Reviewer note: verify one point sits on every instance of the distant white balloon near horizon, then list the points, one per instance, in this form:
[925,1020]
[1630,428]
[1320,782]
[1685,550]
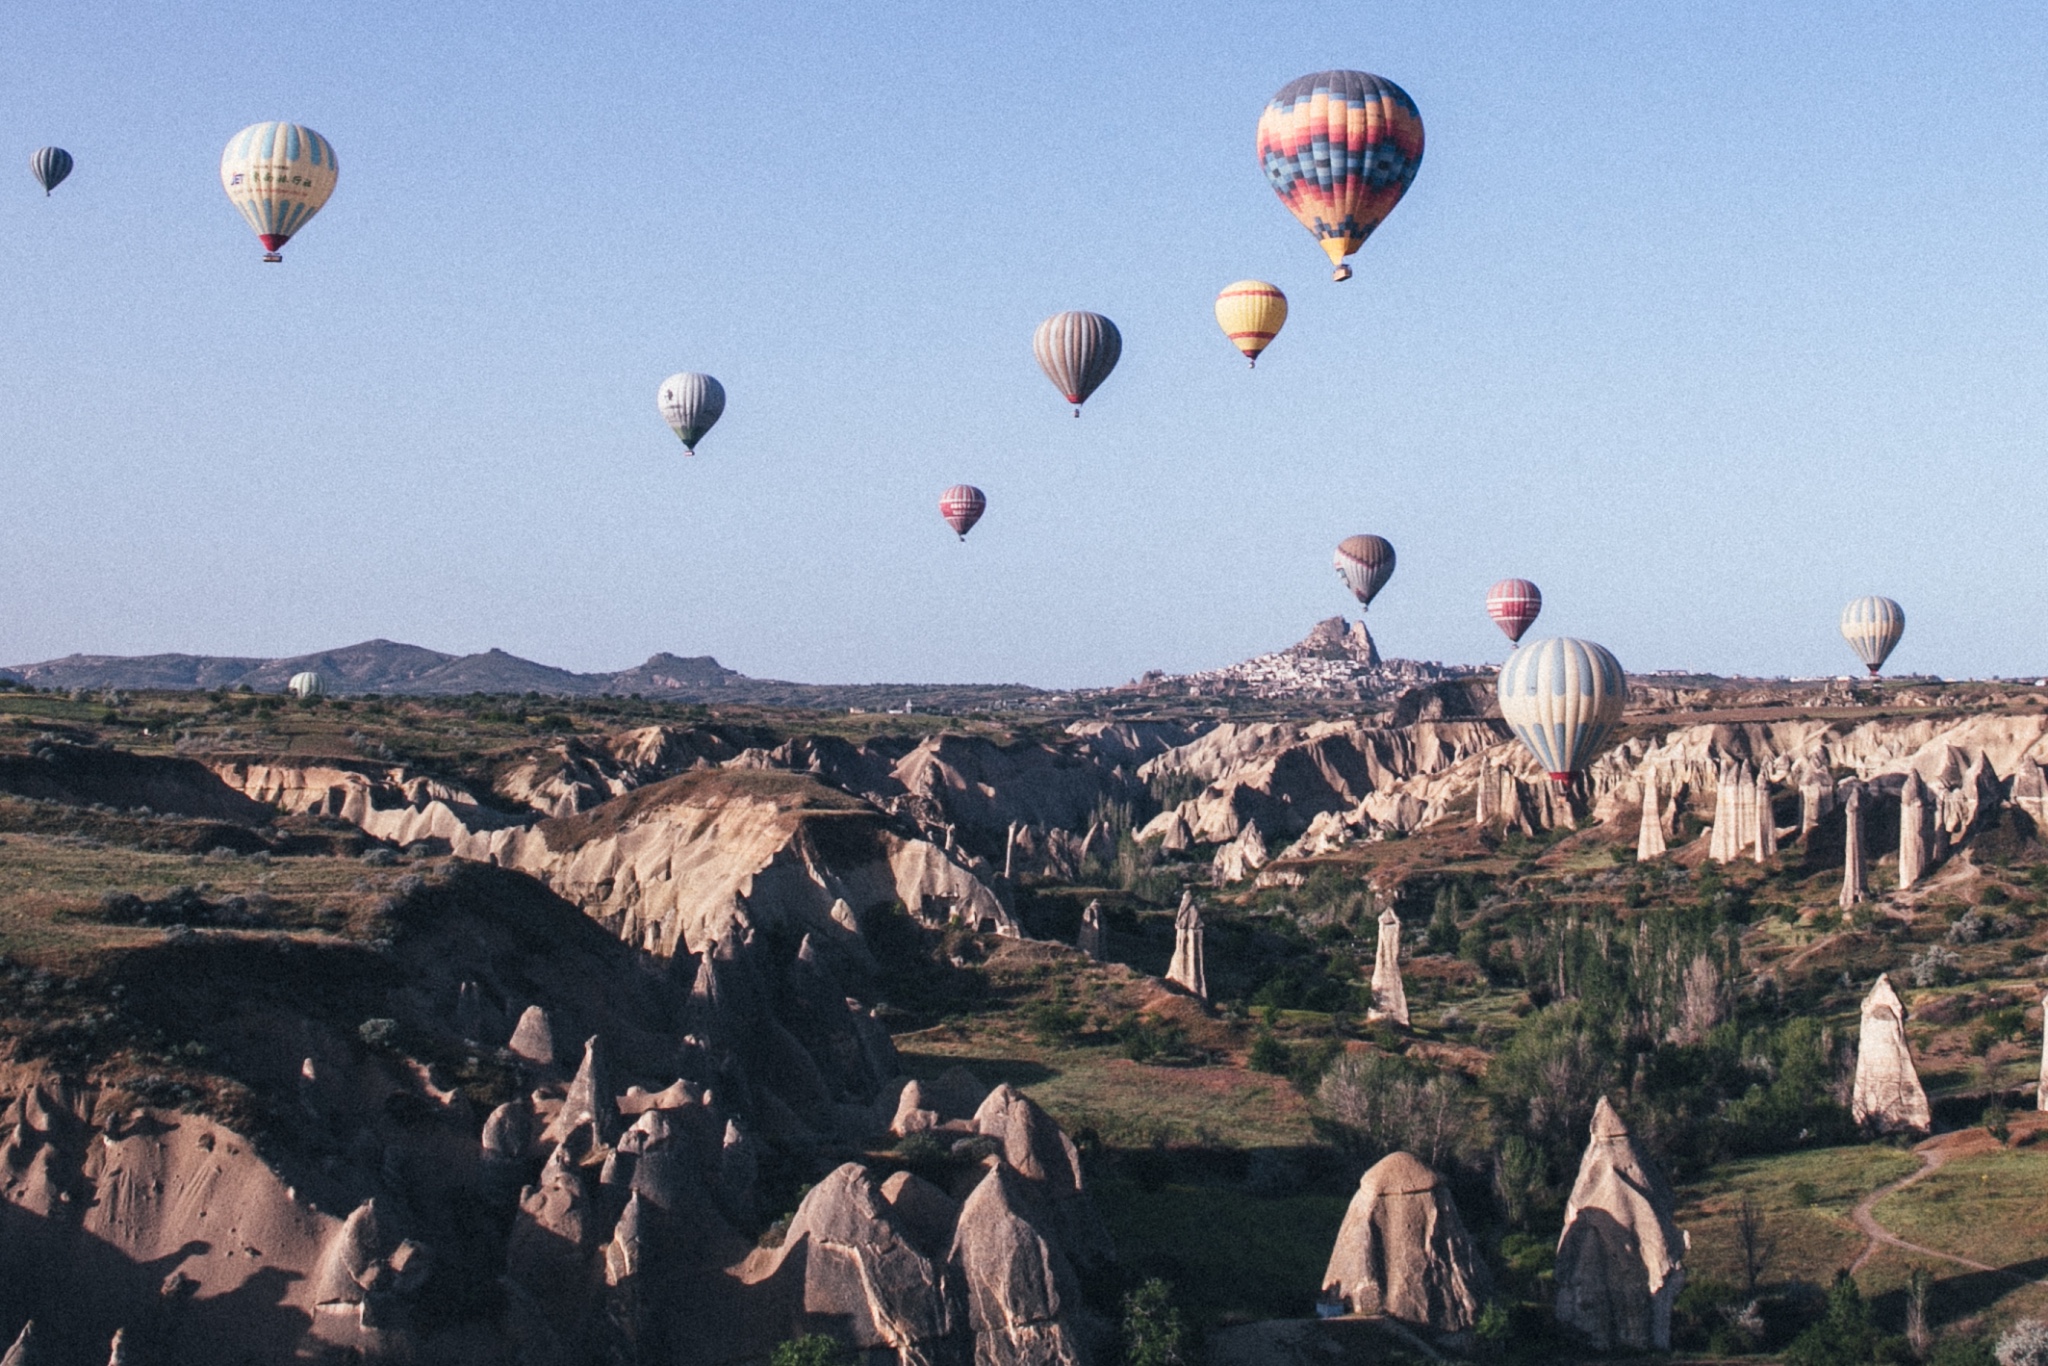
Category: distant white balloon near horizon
[306,684]
[691,403]
[1872,626]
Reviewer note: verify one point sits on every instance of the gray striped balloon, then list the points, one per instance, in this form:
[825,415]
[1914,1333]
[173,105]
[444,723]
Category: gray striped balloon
[1077,351]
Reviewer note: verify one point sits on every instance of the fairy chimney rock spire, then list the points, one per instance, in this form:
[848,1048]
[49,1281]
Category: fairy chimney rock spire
[1187,969]
[1650,835]
[1888,1096]
[1721,840]
[1854,884]
[1912,830]
[1091,942]
[1621,1259]
[1389,1001]
[2041,1093]
[1764,839]
[1486,798]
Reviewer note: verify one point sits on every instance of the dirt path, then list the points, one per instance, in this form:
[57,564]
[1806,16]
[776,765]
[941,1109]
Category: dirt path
[1933,1157]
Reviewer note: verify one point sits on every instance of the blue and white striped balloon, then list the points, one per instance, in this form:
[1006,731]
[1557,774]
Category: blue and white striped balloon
[278,175]
[1562,698]
[1872,626]
[49,166]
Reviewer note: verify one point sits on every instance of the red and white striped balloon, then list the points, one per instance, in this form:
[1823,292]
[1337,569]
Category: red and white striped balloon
[1514,604]
[962,506]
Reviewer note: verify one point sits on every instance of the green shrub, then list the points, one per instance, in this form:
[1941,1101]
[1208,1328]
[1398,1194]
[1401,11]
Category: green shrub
[1268,1054]
[812,1349]
[1155,1331]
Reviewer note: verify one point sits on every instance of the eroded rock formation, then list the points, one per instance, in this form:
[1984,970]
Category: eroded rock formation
[1092,941]
[1855,869]
[1650,830]
[1887,1096]
[1621,1259]
[1188,968]
[1404,1252]
[1389,1000]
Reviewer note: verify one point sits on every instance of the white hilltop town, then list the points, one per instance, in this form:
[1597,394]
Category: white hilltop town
[1337,660]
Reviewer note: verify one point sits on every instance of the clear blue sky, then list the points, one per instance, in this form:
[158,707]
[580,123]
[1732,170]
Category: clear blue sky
[1706,321]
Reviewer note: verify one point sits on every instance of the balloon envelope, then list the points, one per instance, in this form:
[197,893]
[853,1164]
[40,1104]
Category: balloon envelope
[1562,698]
[306,685]
[1365,563]
[1514,604]
[962,506]
[1872,626]
[1077,351]
[691,403]
[278,175]
[1251,313]
[1340,148]
[49,166]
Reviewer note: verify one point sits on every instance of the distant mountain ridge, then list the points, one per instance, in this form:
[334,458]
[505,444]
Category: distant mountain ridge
[387,666]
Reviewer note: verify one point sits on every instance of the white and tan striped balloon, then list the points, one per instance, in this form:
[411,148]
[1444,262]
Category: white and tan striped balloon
[1562,698]
[1872,626]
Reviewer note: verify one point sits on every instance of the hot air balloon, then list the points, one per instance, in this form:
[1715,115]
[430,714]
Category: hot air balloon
[49,166]
[1341,148]
[1251,313]
[691,403]
[1872,626]
[1513,604]
[1077,351]
[278,175]
[306,684]
[1365,563]
[962,506]
[1562,698]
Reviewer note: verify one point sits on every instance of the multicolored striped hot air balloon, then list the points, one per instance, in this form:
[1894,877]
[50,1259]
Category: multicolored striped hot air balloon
[1341,148]
[1365,563]
[691,403]
[1251,313]
[1562,698]
[1872,626]
[278,175]
[1077,351]
[1514,604]
[962,506]
[49,166]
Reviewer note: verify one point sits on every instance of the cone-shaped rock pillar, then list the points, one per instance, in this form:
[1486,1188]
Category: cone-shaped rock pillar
[1403,1251]
[1888,1096]
[1389,1001]
[1855,885]
[1650,834]
[1621,1260]
[1188,968]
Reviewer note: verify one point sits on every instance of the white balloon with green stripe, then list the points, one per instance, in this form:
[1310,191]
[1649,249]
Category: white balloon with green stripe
[1562,698]
[306,685]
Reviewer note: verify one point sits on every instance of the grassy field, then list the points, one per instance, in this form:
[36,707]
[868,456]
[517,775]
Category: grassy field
[1805,1199]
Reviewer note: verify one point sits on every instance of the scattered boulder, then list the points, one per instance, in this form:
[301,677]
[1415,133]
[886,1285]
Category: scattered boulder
[533,1038]
[1404,1252]
[1620,1261]
[1888,1096]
